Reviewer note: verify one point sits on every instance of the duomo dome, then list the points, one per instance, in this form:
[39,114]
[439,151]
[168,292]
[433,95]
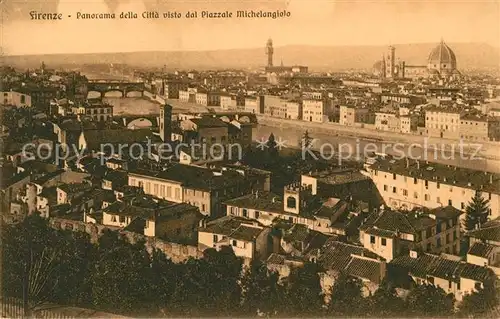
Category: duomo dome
[442,59]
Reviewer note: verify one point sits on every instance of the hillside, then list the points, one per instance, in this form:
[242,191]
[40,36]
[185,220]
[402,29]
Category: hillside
[469,56]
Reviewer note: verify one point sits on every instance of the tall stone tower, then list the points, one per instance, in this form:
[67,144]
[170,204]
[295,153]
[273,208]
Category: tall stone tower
[166,123]
[383,68]
[269,52]
[391,62]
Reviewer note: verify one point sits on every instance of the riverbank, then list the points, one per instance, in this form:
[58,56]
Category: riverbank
[488,150]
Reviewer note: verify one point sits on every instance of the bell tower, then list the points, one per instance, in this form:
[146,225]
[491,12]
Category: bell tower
[296,197]
[269,52]
[166,122]
[391,62]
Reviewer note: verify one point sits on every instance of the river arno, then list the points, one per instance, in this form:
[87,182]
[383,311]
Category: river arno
[354,148]
[351,147]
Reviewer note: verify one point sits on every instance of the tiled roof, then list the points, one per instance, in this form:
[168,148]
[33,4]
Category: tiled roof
[262,201]
[353,260]
[194,177]
[234,227]
[246,233]
[148,208]
[489,231]
[364,268]
[275,259]
[431,265]
[481,249]
[435,172]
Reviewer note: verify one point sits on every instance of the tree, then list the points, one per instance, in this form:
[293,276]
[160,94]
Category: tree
[304,295]
[208,286]
[261,292]
[479,303]
[346,296]
[164,276]
[385,301]
[427,300]
[272,147]
[41,264]
[122,276]
[306,140]
[476,212]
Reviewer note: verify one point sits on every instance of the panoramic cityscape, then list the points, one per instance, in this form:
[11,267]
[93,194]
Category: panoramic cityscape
[268,180]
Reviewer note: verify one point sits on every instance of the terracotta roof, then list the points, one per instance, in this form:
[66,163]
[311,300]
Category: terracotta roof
[481,249]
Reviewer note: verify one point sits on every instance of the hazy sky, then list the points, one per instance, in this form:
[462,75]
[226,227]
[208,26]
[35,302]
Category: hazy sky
[313,22]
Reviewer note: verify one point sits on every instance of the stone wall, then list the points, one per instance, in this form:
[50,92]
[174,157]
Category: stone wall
[154,97]
[176,252]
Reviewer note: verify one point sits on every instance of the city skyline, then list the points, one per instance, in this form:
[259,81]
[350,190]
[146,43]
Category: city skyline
[373,23]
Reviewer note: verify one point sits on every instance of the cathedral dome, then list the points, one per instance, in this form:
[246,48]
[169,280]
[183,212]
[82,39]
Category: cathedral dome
[442,57]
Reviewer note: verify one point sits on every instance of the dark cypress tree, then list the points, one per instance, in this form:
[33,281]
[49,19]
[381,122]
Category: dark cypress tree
[476,212]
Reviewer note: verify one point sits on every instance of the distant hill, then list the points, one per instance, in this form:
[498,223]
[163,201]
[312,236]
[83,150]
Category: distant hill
[469,56]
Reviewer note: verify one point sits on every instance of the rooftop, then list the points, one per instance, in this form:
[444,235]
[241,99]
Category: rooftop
[194,177]
[489,231]
[432,265]
[389,223]
[445,174]
[339,176]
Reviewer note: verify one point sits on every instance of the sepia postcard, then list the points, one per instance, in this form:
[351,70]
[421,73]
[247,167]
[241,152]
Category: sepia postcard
[250,158]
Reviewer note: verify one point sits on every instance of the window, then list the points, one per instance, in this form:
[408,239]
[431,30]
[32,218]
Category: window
[405,192]
[458,285]
[438,185]
[438,200]
[384,242]
[291,202]
[216,238]
[449,284]
[426,184]
[203,207]
[462,205]
[415,181]
[372,239]
[113,219]
[415,195]
[427,197]
[257,214]
[394,190]
[235,242]
[385,188]
[394,176]
[122,219]
[245,212]
[450,203]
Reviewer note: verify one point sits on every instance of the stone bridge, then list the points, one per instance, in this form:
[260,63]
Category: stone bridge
[124,87]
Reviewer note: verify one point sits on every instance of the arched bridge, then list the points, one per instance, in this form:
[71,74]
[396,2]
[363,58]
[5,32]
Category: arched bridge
[104,86]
